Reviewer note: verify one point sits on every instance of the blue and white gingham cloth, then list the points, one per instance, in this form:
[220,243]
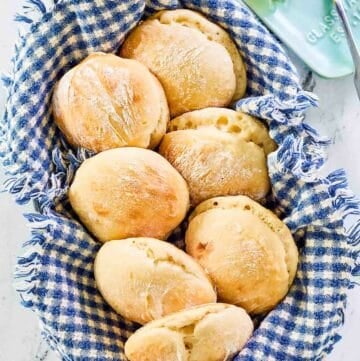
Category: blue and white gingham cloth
[55,275]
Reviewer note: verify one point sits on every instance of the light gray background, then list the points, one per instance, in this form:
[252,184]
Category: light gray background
[338,117]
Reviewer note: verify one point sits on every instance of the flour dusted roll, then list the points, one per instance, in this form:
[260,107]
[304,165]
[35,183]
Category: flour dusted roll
[239,124]
[195,60]
[212,332]
[248,252]
[219,152]
[129,192]
[107,102]
[144,279]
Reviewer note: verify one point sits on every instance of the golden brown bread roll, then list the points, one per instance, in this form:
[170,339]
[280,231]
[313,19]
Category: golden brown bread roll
[129,192]
[195,60]
[212,332]
[108,102]
[144,279]
[219,152]
[248,252]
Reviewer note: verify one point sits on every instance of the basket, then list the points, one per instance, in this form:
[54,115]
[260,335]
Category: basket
[54,276]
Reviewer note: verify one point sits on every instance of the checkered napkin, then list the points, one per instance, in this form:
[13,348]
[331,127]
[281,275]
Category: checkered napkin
[55,278]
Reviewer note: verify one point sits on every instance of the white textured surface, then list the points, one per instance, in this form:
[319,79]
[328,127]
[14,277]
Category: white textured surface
[338,117]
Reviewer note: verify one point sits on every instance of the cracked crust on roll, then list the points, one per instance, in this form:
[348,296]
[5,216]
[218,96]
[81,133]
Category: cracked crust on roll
[239,124]
[219,152]
[108,102]
[195,60]
[213,32]
[247,250]
[212,332]
[144,279]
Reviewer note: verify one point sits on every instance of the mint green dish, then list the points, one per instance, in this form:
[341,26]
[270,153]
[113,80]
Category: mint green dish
[312,29]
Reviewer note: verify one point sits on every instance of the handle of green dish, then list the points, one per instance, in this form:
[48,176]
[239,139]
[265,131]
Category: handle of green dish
[351,41]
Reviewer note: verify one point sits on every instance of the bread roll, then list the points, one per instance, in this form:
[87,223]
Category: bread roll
[144,279]
[212,332]
[129,192]
[248,252]
[195,60]
[219,152]
[108,102]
